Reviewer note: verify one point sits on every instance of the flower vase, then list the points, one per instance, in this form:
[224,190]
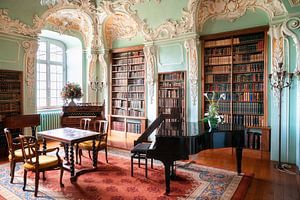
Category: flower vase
[72,103]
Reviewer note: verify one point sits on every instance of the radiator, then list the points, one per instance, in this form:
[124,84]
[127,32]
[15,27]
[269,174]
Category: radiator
[49,120]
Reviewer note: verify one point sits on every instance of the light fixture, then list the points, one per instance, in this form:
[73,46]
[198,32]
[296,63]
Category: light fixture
[97,86]
[48,2]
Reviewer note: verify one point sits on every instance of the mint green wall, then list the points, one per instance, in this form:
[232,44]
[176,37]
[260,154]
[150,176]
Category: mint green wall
[291,9]
[137,40]
[250,19]
[157,13]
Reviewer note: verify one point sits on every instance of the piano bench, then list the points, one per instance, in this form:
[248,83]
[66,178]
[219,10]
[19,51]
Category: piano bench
[140,152]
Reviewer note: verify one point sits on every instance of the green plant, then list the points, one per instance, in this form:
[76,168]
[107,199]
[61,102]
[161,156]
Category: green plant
[71,91]
[212,116]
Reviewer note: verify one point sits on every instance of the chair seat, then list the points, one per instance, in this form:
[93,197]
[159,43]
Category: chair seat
[88,145]
[44,162]
[18,155]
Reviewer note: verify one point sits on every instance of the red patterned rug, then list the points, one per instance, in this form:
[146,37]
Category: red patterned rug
[113,181]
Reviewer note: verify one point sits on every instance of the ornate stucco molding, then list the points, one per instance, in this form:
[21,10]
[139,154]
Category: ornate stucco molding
[103,57]
[233,9]
[30,48]
[294,3]
[192,66]
[93,66]
[277,42]
[119,26]
[10,26]
[150,58]
[288,28]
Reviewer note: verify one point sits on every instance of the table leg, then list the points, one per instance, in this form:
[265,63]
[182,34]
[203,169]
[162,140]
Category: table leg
[66,147]
[72,167]
[94,155]
[44,145]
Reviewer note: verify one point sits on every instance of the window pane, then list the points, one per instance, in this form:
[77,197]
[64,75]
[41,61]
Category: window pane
[42,85]
[42,67]
[56,53]
[41,53]
[42,77]
[42,102]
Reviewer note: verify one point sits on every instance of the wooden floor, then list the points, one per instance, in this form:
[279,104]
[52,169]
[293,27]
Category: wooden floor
[268,182]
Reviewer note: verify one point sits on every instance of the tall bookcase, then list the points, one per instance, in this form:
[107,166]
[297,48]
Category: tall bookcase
[171,93]
[235,64]
[128,107]
[11,92]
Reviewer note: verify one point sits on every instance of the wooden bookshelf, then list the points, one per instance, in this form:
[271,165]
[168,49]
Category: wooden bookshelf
[11,101]
[171,93]
[235,64]
[128,107]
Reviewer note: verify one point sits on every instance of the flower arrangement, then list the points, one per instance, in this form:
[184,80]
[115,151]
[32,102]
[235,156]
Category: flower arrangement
[71,91]
[212,117]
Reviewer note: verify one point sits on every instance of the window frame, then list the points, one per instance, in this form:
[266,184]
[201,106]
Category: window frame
[47,62]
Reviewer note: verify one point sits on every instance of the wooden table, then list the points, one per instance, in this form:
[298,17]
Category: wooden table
[69,137]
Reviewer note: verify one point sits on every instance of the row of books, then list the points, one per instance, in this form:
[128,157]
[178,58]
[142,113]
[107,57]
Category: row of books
[118,126]
[119,75]
[218,69]
[170,93]
[120,55]
[10,106]
[166,110]
[133,127]
[124,95]
[119,68]
[221,42]
[135,81]
[135,60]
[137,74]
[217,87]
[170,102]
[10,96]
[171,84]
[119,88]
[250,48]
[133,88]
[218,60]
[253,67]
[116,111]
[136,53]
[119,103]
[224,107]
[248,108]
[248,120]
[170,77]
[248,96]
[248,38]
[119,82]
[136,104]
[217,78]
[248,57]
[136,113]
[248,87]
[218,51]
[9,76]
[6,86]
[248,77]
[136,67]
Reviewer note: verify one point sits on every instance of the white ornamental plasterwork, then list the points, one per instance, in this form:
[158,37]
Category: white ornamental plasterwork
[92,67]
[294,3]
[277,43]
[30,48]
[150,58]
[233,9]
[192,62]
[10,26]
[120,26]
[288,28]
[104,68]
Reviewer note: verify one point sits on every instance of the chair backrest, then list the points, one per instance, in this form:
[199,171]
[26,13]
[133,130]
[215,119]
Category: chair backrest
[85,123]
[30,149]
[12,146]
[101,126]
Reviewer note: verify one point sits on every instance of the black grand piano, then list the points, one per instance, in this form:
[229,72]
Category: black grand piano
[176,140]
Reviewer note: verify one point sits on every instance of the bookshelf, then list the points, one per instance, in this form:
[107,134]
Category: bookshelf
[11,93]
[171,93]
[235,64]
[128,90]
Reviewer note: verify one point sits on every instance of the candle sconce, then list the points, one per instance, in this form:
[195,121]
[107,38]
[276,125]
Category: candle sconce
[97,86]
[278,82]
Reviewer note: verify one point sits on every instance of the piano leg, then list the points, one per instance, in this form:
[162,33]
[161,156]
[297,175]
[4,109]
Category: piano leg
[173,172]
[239,154]
[167,176]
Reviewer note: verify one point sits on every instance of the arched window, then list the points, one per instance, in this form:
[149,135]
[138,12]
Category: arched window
[51,73]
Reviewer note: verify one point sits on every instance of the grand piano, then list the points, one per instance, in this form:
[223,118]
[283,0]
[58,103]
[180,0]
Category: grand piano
[176,140]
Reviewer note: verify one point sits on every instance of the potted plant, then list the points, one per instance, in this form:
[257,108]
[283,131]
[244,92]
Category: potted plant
[71,91]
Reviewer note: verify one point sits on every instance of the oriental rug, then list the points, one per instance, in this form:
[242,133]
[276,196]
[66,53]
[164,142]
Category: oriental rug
[113,181]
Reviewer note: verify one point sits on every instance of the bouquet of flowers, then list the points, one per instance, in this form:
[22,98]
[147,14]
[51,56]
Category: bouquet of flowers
[71,91]
[212,117]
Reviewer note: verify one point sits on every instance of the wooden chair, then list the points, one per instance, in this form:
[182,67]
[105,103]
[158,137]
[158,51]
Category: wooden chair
[39,162]
[13,124]
[85,125]
[102,127]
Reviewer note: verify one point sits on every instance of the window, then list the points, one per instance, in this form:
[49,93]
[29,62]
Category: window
[51,73]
